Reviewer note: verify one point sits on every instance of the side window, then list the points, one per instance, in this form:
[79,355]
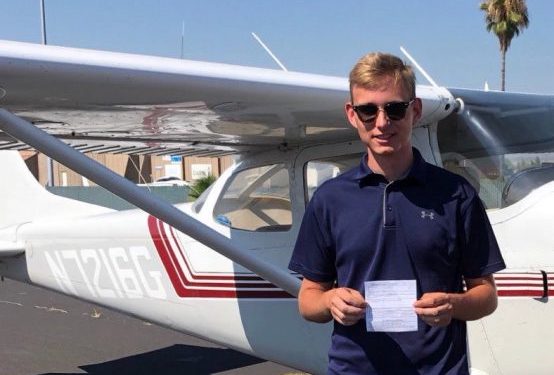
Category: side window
[317,171]
[257,199]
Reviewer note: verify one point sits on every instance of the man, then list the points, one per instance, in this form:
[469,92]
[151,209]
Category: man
[395,217]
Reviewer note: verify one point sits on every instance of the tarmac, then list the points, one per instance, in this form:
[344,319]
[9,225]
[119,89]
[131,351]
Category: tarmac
[43,332]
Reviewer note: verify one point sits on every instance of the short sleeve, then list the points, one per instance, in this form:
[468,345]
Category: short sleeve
[313,255]
[480,252]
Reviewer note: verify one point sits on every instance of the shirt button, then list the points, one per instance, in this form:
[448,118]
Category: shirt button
[389,208]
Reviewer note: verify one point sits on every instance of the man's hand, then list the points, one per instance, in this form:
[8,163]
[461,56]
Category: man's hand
[479,300]
[347,306]
[320,302]
[435,309]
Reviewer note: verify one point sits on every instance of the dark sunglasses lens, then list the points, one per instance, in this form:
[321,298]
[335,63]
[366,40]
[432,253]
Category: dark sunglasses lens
[396,111]
[367,111]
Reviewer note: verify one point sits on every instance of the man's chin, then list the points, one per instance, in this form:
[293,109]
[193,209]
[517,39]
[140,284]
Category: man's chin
[383,150]
[389,149]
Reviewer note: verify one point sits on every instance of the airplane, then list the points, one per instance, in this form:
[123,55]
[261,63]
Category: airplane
[216,268]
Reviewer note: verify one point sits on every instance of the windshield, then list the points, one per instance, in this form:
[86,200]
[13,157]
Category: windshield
[503,143]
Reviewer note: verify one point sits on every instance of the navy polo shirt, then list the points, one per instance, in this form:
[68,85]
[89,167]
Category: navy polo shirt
[429,226]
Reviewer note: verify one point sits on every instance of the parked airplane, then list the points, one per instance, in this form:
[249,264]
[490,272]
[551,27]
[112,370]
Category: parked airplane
[218,269]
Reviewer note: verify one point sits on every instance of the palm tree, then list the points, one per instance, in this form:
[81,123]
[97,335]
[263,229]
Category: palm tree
[505,18]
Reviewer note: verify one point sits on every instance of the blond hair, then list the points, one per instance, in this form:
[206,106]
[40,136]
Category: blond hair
[373,69]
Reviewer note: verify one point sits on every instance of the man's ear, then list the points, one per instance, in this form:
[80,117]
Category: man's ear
[418,110]
[351,115]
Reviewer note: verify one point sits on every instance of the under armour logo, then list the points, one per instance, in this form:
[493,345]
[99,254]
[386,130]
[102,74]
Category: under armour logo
[430,215]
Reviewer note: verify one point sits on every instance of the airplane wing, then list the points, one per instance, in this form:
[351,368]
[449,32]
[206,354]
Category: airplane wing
[133,104]
[100,101]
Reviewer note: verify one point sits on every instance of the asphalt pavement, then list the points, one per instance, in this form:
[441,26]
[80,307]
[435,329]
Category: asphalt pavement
[42,332]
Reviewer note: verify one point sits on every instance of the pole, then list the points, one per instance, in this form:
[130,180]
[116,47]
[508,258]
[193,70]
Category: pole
[43,22]
[49,162]
[183,41]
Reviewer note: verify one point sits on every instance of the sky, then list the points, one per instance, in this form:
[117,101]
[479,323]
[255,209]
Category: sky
[448,38]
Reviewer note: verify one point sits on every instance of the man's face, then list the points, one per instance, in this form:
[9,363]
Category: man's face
[383,135]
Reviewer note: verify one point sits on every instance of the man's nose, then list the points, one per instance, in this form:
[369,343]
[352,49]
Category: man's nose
[382,119]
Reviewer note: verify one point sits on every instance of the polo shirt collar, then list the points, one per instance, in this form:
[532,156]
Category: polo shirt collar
[416,172]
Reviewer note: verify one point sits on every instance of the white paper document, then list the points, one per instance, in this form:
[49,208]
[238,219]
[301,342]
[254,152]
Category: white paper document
[390,305]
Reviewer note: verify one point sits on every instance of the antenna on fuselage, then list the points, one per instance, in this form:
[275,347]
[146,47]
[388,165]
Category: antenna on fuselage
[421,70]
[269,52]
[486,86]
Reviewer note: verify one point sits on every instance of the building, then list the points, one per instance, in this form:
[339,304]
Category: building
[136,168]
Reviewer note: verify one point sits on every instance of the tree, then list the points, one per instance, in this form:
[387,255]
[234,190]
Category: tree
[505,18]
[200,185]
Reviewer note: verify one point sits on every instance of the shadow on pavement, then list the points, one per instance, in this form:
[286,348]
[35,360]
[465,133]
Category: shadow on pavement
[173,360]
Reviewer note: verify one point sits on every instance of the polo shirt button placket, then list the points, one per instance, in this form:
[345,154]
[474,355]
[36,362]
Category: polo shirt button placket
[388,217]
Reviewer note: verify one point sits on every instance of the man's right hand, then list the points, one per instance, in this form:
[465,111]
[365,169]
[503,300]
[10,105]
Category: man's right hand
[347,306]
[320,302]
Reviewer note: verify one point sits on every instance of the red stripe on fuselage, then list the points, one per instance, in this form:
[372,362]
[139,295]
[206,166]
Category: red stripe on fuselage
[229,279]
[523,293]
[186,288]
[165,256]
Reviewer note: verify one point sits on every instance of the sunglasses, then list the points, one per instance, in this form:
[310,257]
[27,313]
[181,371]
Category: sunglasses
[395,110]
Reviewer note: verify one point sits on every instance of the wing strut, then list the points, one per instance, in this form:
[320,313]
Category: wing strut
[94,171]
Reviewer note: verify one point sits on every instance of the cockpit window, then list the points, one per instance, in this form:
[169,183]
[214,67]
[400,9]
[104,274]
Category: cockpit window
[257,199]
[503,143]
[316,172]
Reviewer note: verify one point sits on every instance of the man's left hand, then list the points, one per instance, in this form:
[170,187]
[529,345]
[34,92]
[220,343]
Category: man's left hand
[435,309]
